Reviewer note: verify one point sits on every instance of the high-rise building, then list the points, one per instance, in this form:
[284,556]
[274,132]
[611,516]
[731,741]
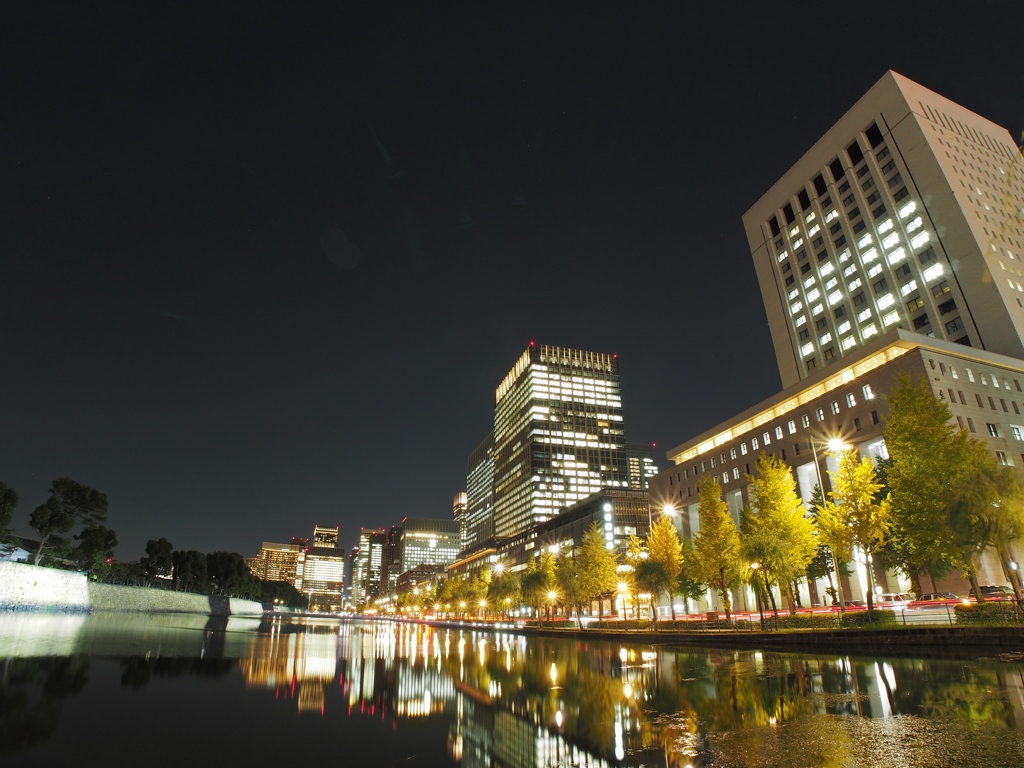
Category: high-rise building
[642,460]
[279,562]
[480,493]
[424,540]
[459,509]
[325,536]
[391,566]
[908,212]
[366,566]
[558,434]
[324,578]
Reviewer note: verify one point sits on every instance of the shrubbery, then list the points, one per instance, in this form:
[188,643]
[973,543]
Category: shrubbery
[881,618]
[992,613]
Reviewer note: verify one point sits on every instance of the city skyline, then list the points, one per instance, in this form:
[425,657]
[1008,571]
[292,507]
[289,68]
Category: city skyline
[238,282]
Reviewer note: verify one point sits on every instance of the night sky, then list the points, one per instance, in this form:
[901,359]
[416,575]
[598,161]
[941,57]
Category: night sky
[262,267]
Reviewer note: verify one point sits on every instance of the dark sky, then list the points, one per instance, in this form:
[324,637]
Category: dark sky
[262,267]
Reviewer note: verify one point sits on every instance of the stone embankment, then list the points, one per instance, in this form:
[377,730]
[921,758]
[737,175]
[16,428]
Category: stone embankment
[31,588]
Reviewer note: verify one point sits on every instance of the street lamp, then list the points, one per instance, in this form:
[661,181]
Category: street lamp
[757,592]
[836,445]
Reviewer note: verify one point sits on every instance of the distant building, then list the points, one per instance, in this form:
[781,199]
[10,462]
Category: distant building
[422,578]
[325,536]
[366,567]
[459,509]
[480,493]
[324,578]
[642,460]
[279,562]
[424,540]
[558,434]
[391,564]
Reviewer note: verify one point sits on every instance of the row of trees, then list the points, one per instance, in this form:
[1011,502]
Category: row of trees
[931,507]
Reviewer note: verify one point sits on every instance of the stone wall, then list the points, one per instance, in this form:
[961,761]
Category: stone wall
[31,588]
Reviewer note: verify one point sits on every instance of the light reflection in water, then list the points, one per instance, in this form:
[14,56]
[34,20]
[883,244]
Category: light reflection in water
[510,700]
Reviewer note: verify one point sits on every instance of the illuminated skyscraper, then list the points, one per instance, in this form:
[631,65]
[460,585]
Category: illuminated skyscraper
[480,493]
[424,540]
[366,567]
[643,464]
[558,434]
[908,213]
[279,562]
[325,536]
[459,509]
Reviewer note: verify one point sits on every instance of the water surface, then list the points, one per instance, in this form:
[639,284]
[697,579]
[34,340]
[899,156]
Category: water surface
[179,690]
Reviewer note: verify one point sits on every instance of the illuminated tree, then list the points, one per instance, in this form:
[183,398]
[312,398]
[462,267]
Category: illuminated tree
[665,548]
[716,546]
[596,566]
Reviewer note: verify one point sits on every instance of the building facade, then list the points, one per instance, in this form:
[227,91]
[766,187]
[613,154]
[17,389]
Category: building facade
[366,565]
[429,541]
[279,562]
[460,506]
[480,493]
[324,578]
[906,213]
[642,461]
[558,434]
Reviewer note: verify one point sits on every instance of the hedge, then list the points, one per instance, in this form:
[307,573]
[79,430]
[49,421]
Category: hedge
[998,613]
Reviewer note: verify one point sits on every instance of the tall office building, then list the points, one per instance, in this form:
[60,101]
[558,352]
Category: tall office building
[459,508]
[279,562]
[558,434]
[908,213]
[642,460]
[325,536]
[391,563]
[366,566]
[324,578]
[428,541]
[480,493]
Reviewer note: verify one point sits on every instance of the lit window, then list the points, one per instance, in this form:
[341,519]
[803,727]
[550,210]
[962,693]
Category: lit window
[813,230]
[835,406]
[849,270]
[866,391]
[919,239]
[828,269]
[809,218]
[886,301]
[909,287]
[864,315]
[993,430]
[908,209]
[736,472]
[869,255]
[809,282]
[890,241]
[813,295]
[831,283]
[805,421]
[885,226]
[743,449]
[796,307]
[854,285]
[897,255]
[798,243]
[1016,432]
[794,293]
[753,444]
[826,338]
[807,349]
[952,372]
[793,232]
[783,255]
[848,342]
[801,320]
[874,270]
[892,317]
[970,375]
[869,331]
[778,433]
[844,326]
[864,242]
[1004,459]
[792,427]
[767,438]
[834,298]
[830,216]
[850,400]
[732,453]
[820,413]
[915,224]
[844,256]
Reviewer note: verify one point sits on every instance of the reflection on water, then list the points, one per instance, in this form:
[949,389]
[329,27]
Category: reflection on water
[506,700]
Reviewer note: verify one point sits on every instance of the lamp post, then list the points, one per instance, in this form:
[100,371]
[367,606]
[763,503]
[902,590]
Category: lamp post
[834,444]
[757,591]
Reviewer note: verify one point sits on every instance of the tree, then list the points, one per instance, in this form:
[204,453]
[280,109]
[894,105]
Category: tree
[190,571]
[665,548]
[70,504]
[567,574]
[835,536]
[716,546]
[230,576]
[95,549]
[595,565]
[159,559]
[504,590]
[689,584]
[855,506]
[8,501]
[777,533]
[651,578]
[539,582]
[945,515]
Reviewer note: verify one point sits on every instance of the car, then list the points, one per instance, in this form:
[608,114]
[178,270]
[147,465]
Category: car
[993,592]
[852,605]
[893,601]
[936,600]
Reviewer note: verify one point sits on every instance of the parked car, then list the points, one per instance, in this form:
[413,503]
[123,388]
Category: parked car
[852,605]
[993,592]
[936,600]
